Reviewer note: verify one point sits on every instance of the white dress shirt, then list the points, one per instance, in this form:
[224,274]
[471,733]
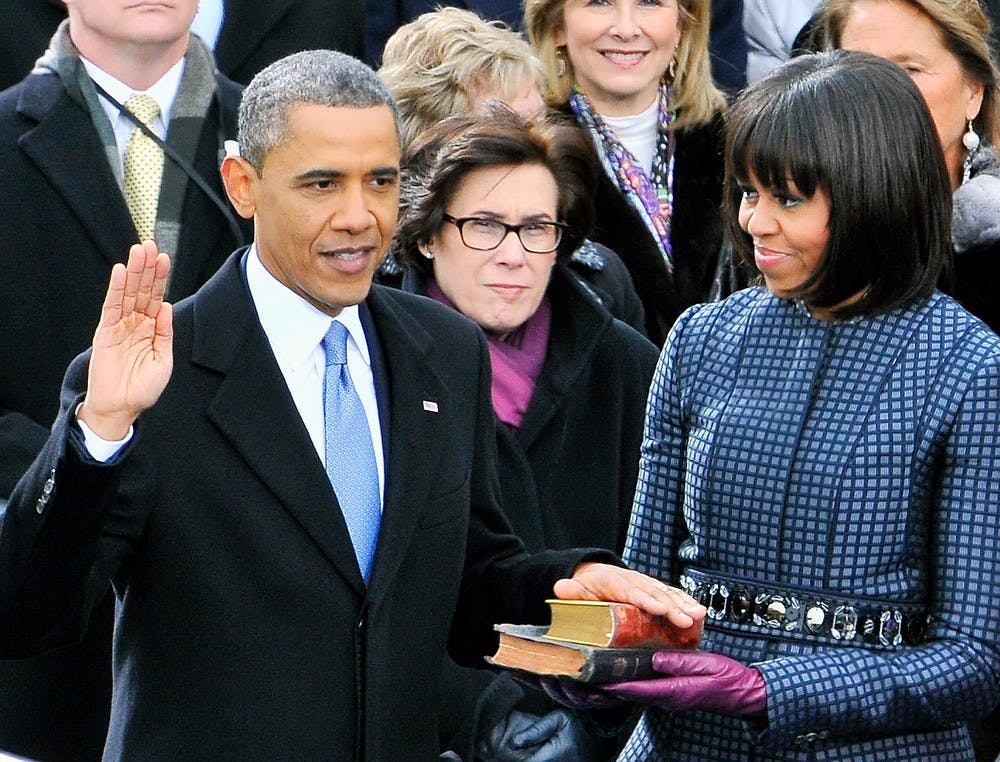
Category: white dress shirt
[295,331]
[164,91]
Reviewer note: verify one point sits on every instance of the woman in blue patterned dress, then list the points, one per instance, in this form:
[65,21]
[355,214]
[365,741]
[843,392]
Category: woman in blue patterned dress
[821,463]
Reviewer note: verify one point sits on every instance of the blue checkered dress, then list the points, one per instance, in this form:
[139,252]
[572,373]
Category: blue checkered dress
[857,458]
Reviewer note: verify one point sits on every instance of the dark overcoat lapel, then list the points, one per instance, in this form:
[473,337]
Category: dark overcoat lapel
[66,149]
[415,432]
[272,441]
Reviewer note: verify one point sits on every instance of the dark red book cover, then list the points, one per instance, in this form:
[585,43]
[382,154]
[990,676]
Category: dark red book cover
[617,625]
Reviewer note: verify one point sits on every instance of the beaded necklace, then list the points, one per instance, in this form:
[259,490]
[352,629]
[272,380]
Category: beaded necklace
[652,196]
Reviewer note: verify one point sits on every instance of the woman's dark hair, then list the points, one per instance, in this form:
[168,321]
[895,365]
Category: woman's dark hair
[855,127]
[439,159]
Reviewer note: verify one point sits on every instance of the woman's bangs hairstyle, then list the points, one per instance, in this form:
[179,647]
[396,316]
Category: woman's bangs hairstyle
[855,128]
[965,31]
[439,160]
[696,98]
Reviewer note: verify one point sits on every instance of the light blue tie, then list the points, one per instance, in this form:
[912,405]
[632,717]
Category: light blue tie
[350,457]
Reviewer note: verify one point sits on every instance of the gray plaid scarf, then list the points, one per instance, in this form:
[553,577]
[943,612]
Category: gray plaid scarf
[187,117]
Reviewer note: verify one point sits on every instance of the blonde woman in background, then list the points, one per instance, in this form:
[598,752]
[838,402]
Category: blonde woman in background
[451,61]
[636,75]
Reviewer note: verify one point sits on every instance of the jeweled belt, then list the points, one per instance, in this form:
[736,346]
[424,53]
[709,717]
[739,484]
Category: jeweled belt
[803,613]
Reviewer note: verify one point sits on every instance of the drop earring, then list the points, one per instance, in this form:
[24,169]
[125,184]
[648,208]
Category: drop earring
[971,142]
[560,63]
[970,139]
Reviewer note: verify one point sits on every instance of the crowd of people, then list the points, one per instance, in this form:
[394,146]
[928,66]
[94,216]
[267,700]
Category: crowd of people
[683,303]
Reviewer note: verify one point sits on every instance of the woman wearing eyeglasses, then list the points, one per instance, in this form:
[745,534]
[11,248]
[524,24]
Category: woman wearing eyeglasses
[494,208]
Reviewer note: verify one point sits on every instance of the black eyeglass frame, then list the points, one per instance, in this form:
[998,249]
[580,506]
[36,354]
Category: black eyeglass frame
[459,222]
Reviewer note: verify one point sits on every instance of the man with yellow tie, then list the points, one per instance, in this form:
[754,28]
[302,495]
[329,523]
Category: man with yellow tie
[79,183]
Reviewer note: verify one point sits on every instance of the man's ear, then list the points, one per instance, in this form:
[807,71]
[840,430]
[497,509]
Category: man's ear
[238,177]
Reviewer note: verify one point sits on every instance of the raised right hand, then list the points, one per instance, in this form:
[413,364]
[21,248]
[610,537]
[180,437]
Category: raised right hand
[132,355]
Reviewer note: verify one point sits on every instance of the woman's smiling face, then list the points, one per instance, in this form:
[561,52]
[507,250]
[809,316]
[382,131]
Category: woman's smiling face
[620,49]
[790,232]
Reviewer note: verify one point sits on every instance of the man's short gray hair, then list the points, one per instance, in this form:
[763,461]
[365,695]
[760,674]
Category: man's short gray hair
[320,77]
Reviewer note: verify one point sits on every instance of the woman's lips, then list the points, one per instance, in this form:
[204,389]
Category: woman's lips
[624,58]
[767,258]
[508,290]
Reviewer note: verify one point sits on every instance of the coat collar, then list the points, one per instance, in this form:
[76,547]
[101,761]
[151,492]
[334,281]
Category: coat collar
[579,324]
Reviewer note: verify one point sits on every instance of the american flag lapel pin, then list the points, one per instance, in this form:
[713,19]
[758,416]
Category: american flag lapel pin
[430,406]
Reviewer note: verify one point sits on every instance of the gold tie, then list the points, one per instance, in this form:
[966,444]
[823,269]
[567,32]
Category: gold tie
[143,168]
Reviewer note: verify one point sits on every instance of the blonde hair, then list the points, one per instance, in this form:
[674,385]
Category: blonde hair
[695,96]
[437,63]
[965,32]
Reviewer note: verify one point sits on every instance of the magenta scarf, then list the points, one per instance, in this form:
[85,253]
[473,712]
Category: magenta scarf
[517,359]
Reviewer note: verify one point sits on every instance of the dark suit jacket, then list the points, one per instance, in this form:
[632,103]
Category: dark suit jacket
[258,32]
[254,33]
[244,629]
[65,223]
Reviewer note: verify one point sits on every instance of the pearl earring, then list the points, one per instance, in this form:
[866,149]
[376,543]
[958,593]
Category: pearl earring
[429,254]
[971,142]
[970,139]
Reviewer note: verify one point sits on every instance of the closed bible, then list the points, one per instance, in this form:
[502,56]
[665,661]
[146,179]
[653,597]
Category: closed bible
[525,647]
[593,642]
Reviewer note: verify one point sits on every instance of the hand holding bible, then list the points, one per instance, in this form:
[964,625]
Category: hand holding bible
[698,680]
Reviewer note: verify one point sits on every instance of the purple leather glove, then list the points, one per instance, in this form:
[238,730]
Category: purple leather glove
[698,680]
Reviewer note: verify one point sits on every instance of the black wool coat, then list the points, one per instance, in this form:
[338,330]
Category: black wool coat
[696,232]
[65,223]
[567,474]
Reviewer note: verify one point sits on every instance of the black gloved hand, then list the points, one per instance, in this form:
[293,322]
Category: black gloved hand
[558,736]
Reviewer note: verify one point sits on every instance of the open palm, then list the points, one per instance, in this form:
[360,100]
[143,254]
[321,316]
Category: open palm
[132,355]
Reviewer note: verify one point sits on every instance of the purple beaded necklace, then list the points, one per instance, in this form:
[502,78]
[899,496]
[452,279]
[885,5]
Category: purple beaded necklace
[652,196]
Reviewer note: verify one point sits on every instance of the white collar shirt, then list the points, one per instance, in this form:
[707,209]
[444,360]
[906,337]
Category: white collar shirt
[295,331]
[164,92]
